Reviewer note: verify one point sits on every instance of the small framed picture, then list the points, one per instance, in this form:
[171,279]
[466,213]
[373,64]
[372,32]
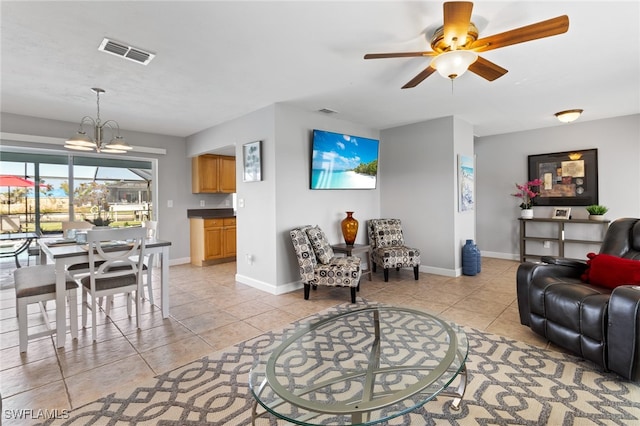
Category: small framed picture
[561,213]
[252,163]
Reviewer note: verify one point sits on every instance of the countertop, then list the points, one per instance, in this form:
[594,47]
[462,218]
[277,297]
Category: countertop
[209,213]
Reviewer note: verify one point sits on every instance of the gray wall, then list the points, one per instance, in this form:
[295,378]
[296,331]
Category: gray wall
[283,200]
[417,183]
[502,161]
[255,221]
[174,178]
[418,166]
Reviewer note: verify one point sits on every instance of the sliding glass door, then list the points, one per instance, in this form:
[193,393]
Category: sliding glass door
[55,188]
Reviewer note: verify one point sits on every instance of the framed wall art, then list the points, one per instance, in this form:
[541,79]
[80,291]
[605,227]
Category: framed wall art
[568,178]
[466,178]
[251,162]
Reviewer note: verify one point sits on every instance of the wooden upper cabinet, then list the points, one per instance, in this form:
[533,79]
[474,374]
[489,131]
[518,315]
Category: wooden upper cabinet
[213,173]
[227,174]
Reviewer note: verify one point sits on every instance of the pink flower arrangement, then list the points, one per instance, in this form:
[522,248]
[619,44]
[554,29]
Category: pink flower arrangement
[526,193]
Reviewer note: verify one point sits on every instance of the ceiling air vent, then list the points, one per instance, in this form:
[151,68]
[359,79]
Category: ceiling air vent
[125,51]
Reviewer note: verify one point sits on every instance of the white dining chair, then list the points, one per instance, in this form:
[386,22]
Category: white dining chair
[37,284]
[152,228]
[81,268]
[115,266]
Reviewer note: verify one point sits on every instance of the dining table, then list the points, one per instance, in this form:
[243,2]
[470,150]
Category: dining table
[65,252]
[17,242]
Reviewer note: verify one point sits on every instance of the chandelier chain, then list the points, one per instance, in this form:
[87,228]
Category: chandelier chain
[98,103]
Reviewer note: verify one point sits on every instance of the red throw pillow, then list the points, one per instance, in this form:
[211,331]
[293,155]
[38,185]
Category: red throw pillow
[611,271]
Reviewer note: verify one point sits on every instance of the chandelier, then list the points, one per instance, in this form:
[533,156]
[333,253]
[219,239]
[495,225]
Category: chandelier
[82,142]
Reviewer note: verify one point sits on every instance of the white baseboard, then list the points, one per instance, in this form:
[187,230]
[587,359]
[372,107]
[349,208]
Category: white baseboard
[269,288]
[440,271]
[181,261]
[498,255]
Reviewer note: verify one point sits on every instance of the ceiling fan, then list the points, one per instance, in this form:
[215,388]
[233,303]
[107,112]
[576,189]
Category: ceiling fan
[456,44]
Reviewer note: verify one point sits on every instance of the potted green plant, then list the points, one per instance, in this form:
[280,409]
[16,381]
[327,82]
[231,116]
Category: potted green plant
[596,211]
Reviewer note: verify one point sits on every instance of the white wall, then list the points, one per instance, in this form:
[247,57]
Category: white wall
[502,161]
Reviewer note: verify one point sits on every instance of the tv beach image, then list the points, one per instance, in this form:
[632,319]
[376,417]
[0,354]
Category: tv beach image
[343,161]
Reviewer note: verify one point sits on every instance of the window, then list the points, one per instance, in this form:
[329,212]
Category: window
[116,192]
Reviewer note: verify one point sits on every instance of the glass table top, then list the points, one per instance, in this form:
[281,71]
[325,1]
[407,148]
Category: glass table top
[361,366]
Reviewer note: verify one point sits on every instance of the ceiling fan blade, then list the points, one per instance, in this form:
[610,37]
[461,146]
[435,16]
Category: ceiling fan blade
[535,31]
[457,16]
[398,55]
[419,78]
[487,69]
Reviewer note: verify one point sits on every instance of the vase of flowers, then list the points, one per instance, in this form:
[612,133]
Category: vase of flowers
[527,192]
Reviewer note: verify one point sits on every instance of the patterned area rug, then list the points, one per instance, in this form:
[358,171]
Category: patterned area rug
[510,383]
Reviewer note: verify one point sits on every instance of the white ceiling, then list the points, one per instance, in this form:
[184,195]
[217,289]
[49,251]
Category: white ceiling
[220,60]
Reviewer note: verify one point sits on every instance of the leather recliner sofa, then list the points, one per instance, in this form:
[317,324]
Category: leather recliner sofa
[598,323]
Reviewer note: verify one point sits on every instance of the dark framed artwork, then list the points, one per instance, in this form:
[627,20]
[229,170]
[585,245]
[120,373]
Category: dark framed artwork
[568,178]
[252,162]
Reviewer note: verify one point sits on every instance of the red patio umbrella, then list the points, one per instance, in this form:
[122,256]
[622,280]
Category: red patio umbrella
[16,182]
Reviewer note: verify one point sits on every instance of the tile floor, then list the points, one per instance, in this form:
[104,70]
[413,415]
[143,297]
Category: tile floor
[210,311]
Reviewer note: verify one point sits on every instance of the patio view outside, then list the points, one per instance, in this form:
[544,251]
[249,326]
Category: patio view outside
[38,192]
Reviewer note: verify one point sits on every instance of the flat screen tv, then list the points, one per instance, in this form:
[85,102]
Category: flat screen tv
[343,161]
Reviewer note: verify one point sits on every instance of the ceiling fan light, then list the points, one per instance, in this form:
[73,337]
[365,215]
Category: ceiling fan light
[569,115]
[454,63]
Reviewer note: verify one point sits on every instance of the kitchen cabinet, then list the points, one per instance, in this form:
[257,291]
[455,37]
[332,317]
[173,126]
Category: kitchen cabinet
[213,174]
[212,240]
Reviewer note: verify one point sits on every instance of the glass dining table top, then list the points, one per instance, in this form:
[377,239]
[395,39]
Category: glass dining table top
[361,366]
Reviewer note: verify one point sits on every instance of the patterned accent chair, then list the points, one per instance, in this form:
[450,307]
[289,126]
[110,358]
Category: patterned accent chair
[388,249]
[318,265]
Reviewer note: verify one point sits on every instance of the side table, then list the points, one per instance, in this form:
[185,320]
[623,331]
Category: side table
[355,249]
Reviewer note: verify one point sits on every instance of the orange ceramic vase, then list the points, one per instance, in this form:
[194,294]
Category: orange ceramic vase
[349,229]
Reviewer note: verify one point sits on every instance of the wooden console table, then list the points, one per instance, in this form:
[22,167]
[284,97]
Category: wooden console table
[559,239]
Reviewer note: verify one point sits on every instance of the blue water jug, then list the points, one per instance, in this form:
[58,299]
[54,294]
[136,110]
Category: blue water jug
[470,258]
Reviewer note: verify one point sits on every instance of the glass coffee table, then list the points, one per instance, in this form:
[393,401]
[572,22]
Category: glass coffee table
[361,366]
